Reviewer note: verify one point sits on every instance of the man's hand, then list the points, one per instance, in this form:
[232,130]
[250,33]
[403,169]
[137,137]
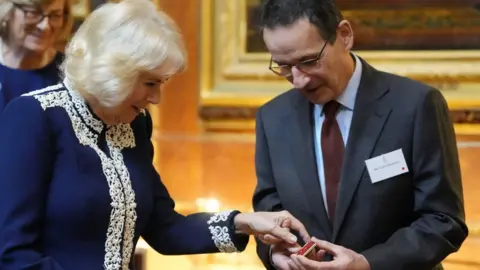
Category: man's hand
[281,256]
[343,259]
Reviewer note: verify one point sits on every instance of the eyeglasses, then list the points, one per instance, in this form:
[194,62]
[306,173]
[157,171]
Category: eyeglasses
[34,15]
[305,66]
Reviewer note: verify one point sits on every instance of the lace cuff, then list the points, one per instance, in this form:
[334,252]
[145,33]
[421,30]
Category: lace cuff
[222,228]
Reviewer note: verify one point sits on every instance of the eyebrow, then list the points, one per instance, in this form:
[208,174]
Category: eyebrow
[298,60]
[59,10]
[154,80]
[152,76]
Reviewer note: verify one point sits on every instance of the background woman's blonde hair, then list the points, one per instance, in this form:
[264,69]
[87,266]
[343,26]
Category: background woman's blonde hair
[115,43]
[7,6]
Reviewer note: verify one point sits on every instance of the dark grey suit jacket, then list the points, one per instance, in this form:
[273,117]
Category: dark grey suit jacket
[408,222]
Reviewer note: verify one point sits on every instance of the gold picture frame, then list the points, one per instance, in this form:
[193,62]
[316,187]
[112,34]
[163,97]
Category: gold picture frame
[234,83]
[81,8]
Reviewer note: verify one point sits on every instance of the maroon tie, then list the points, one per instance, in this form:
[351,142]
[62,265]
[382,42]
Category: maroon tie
[332,149]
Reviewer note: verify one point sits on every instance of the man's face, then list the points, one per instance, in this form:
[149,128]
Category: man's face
[319,80]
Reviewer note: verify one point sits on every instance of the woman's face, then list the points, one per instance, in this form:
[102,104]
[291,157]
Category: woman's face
[146,90]
[36,28]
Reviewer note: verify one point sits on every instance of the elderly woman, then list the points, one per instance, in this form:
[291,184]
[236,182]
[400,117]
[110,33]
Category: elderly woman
[77,185]
[29,30]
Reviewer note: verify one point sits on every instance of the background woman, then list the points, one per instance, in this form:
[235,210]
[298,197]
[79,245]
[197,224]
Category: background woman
[29,30]
[78,187]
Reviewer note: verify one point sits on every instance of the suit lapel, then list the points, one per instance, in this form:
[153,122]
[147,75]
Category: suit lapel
[303,153]
[369,117]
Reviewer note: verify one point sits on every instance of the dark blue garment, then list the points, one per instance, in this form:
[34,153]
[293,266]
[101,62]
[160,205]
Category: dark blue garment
[15,82]
[77,195]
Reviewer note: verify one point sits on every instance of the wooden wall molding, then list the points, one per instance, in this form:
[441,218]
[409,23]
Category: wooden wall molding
[209,113]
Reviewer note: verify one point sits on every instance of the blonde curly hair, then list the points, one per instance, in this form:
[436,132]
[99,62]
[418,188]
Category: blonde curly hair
[117,42]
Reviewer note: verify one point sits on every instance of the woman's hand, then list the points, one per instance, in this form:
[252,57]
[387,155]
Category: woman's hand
[271,227]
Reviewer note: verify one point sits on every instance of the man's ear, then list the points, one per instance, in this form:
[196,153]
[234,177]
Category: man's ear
[345,35]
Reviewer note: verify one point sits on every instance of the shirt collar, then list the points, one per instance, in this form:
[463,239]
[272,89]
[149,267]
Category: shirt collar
[347,98]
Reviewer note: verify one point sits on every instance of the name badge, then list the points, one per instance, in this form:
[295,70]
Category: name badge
[386,166]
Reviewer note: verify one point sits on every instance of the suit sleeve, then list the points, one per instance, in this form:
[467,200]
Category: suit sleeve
[439,226]
[25,164]
[265,197]
[171,233]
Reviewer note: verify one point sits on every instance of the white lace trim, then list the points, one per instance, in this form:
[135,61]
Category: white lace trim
[44,90]
[220,233]
[121,229]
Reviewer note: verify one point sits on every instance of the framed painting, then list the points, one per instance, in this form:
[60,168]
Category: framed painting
[428,40]
[385,25]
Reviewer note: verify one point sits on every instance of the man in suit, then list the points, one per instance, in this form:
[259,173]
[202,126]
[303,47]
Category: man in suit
[367,160]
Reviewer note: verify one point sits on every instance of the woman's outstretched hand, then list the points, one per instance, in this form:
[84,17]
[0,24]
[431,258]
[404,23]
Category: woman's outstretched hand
[271,227]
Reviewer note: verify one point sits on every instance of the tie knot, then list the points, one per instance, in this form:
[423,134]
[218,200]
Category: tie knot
[330,109]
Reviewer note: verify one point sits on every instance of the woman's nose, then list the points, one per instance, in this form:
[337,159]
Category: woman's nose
[154,97]
[44,23]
